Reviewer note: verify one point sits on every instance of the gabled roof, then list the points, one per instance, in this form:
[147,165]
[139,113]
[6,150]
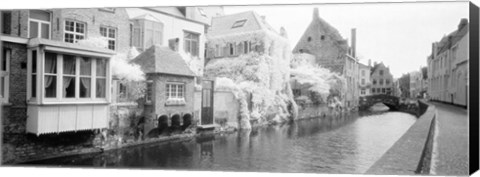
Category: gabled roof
[222,25]
[318,27]
[451,39]
[160,59]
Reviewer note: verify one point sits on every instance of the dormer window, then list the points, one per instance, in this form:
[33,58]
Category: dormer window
[239,23]
[202,12]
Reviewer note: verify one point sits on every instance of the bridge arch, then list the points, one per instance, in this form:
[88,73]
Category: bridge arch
[392,102]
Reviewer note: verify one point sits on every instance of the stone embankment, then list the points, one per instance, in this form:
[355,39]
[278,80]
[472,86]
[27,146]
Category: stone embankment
[411,154]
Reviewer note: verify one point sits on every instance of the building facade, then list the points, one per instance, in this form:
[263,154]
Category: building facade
[365,83]
[332,52]
[382,80]
[448,67]
[415,84]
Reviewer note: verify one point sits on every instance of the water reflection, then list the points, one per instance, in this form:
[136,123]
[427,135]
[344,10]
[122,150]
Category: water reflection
[343,144]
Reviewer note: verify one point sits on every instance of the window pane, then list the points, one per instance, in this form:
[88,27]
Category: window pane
[80,28]
[111,44]
[168,91]
[111,33]
[50,86]
[69,26]
[103,31]
[101,88]
[33,29]
[6,22]
[40,15]
[69,87]
[101,67]
[69,38]
[50,63]
[180,91]
[45,31]
[69,64]
[85,87]
[85,66]
[34,85]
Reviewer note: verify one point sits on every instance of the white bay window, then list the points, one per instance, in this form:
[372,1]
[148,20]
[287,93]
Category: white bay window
[66,87]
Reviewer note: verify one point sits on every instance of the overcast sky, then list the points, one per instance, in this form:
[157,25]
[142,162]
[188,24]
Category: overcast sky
[399,34]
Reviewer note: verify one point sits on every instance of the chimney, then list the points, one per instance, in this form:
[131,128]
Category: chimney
[370,62]
[315,13]
[353,43]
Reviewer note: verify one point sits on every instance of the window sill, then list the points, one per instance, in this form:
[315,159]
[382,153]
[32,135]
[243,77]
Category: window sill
[6,104]
[95,102]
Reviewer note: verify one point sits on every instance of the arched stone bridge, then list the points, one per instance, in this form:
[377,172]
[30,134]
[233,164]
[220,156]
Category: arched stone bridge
[391,102]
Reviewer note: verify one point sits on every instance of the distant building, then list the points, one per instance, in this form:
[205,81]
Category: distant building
[415,84]
[448,67]
[404,85]
[382,80]
[332,52]
[365,84]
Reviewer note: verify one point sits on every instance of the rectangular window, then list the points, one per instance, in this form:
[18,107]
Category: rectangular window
[110,34]
[4,74]
[6,22]
[122,92]
[86,77]
[50,75]
[74,31]
[373,90]
[149,94]
[363,72]
[247,46]
[39,24]
[363,81]
[175,91]
[34,74]
[137,38]
[374,82]
[387,81]
[101,78]
[381,82]
[381,72]
[383,90]
[69,76]
[191,43]
[231,50]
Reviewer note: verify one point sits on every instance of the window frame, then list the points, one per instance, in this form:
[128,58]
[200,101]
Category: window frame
[40,22]
[195,38]
[107,36]
[39,77]
[169,93]
[4,97]
[74,33]
[149,93]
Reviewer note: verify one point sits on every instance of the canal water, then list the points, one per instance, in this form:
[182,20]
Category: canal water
[342,144]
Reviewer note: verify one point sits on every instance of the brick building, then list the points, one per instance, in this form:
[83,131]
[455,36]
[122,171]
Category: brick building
[50,83]
[170,89]
[332,52]
[365,83]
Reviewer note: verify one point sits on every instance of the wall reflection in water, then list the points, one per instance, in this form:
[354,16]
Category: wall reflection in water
[341,144]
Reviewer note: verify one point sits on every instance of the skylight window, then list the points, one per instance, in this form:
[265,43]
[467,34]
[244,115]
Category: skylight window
[202,12]
[239,23]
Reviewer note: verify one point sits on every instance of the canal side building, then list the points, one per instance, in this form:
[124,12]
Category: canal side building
[365,83]
[448,67]
[52,86]
[332,52]
[169,100]
[382,79]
